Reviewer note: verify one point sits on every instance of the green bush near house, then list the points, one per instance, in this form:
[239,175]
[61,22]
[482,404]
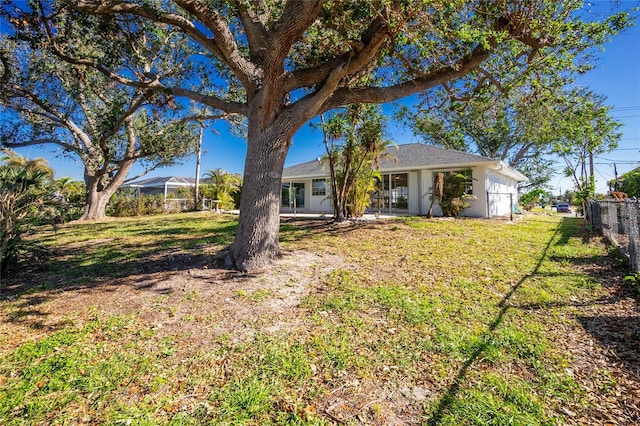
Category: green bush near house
[127,205]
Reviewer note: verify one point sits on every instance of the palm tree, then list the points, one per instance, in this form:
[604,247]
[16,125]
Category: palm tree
[23,190]
[225,184]
[13,160]
[353,163]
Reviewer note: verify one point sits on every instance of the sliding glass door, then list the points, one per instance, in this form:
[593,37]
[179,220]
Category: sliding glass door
[293,195]
[392,194]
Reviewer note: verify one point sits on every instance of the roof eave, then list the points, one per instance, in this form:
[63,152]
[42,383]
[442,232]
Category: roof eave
[446,166]
[307,176]
[514,173]
[496,165]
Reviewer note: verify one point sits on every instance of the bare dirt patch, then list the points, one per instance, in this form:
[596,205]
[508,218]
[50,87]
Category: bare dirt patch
[184,297]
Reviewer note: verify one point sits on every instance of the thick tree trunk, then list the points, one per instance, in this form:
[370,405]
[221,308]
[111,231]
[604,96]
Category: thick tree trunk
[96,204]
[98,194]
[256,242]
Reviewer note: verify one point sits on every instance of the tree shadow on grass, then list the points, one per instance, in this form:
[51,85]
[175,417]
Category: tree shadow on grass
[100,262]
[292,228]
[92,263]
[156,273]
[449,397]
[621,334]
[573,227]
[108,264]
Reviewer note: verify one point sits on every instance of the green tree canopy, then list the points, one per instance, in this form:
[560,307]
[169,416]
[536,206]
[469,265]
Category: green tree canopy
[587,130]
[107,125]
[629,183]
[516,129]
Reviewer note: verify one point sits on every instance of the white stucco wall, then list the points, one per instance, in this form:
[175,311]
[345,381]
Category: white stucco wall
[319,203]
[313,203]
[414,193]
[426,179]
[501,190]
[420,184]
[476,207]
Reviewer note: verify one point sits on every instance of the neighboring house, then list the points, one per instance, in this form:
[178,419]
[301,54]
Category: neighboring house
[165,186]
[407,180]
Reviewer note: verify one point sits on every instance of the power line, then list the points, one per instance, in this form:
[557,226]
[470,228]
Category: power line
[617,159]
[628,108]
[618,162]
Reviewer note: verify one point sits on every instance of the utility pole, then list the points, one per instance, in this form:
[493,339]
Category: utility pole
[592,178]
[592,190]
[198,159]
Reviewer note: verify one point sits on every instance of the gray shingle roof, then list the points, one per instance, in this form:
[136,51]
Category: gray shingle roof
[407,156]
[310,168]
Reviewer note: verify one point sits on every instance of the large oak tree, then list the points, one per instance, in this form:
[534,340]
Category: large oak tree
[108,126]
[282,63]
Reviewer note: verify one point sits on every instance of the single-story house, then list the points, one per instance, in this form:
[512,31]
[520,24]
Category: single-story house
[162,185]
[407,180]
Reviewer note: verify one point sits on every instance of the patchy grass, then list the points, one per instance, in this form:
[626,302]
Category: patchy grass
[413,321]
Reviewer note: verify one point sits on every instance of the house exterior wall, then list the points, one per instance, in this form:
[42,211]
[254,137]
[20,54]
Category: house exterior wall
[491,190]
[426,182]
[476,206]
[414,194]
[320,203]
[500,193]
[312,203]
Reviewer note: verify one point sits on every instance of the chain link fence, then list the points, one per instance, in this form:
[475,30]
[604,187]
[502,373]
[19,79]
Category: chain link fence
[619,221]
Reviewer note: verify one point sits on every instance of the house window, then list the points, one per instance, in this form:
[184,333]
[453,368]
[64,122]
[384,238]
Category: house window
[318,187]
[400,191]
[467,183]
[392,193]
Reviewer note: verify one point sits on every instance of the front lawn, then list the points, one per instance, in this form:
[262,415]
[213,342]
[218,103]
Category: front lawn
[404,321]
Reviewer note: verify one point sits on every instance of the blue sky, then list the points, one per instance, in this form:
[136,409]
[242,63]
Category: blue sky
[616,75]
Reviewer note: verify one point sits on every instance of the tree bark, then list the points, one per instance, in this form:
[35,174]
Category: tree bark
[256,242]
[96,203]
[98,195]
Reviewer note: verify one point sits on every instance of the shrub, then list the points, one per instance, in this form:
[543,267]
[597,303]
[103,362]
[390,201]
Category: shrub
[25,188]
[452,196]
[125,205]
[529,200]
